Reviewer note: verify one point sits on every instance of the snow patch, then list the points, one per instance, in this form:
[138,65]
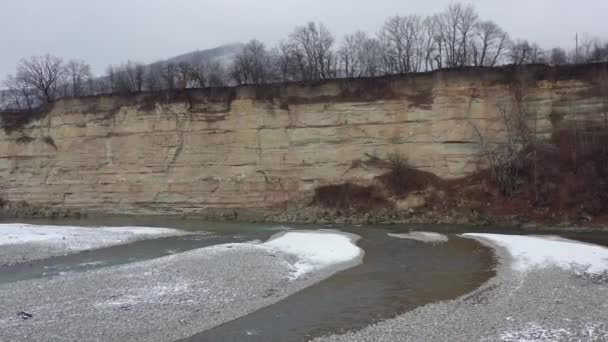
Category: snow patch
[77,238]
[530,252]
[422,236]
[316,250]
[154,294]
[92,263]
[537,333]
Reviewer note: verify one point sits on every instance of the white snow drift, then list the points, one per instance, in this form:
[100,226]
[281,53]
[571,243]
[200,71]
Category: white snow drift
[537,333]
[422,236]
[530,252]
[77,238]
[316,250]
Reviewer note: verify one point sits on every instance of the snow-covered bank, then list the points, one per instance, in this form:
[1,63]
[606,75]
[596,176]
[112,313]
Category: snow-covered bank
[307,251]
[422,237]
[24,242]
[317,250]
[77,238]
[529,252]
[176,296]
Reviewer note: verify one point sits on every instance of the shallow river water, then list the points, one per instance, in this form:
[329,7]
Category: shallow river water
[396,275]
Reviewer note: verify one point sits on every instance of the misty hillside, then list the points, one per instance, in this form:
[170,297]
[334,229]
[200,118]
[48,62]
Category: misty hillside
[224,54]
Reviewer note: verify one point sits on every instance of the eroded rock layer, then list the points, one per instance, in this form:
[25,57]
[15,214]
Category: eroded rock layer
[254,147]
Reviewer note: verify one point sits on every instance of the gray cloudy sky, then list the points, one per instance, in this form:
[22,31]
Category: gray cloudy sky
[110,31]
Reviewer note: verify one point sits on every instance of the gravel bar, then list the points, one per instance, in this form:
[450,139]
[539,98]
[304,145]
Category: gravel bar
[51,241]
[546,304]
[164,299]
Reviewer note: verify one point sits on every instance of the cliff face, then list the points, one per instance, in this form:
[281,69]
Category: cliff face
[252,147]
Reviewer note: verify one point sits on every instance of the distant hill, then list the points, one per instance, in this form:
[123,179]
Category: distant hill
[224,54]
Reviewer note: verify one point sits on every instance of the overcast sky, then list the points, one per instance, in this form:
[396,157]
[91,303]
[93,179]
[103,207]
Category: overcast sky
[106,32]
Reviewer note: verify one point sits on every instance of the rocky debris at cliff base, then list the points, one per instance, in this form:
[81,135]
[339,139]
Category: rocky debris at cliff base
[428,237]
[24,242]
[545,301]
[25,210]
[173,297]
[315,214]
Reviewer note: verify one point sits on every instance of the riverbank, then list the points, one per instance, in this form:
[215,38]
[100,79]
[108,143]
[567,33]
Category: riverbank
[173,297]
[24,242]
[302,212]
[26,210]
[547,301]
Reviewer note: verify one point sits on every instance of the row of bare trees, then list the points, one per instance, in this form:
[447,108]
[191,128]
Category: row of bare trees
[133,77]
[456,37]
[41,79]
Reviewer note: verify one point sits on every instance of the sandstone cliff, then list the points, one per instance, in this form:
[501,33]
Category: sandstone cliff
[254,147]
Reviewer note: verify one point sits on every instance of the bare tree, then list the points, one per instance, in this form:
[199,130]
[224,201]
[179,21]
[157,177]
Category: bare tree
[153,80]
[78,74]
[169,76]
[403,40]
[19,94]
[139,76]
[351,55]
[184,72]
[111,77]
[312,47]
[518,123]
[252,65]
[360,56]
[291,61]
[522,52]
[558,56]
[216,74]
[603,88]
[133,76]
[393,43]
[488,44]
[198,71]
[127,77]
[600,52]
[586,45]
[456,26]
[42,73]
[431,43]
[371,63]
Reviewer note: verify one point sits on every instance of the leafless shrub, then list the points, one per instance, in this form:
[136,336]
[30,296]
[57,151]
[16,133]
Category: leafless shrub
[505,158]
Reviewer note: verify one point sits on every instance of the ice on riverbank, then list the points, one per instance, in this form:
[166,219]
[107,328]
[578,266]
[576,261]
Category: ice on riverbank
[535,332]
[307,251]
[316,250]
[77,238]
[422,237]
[530,252]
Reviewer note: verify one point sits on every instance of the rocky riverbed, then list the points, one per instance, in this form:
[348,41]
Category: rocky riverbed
[172,297]
[540,294]
[545,288]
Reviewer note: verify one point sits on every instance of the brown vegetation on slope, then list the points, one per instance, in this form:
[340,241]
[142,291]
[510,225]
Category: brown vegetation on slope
[563,180]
